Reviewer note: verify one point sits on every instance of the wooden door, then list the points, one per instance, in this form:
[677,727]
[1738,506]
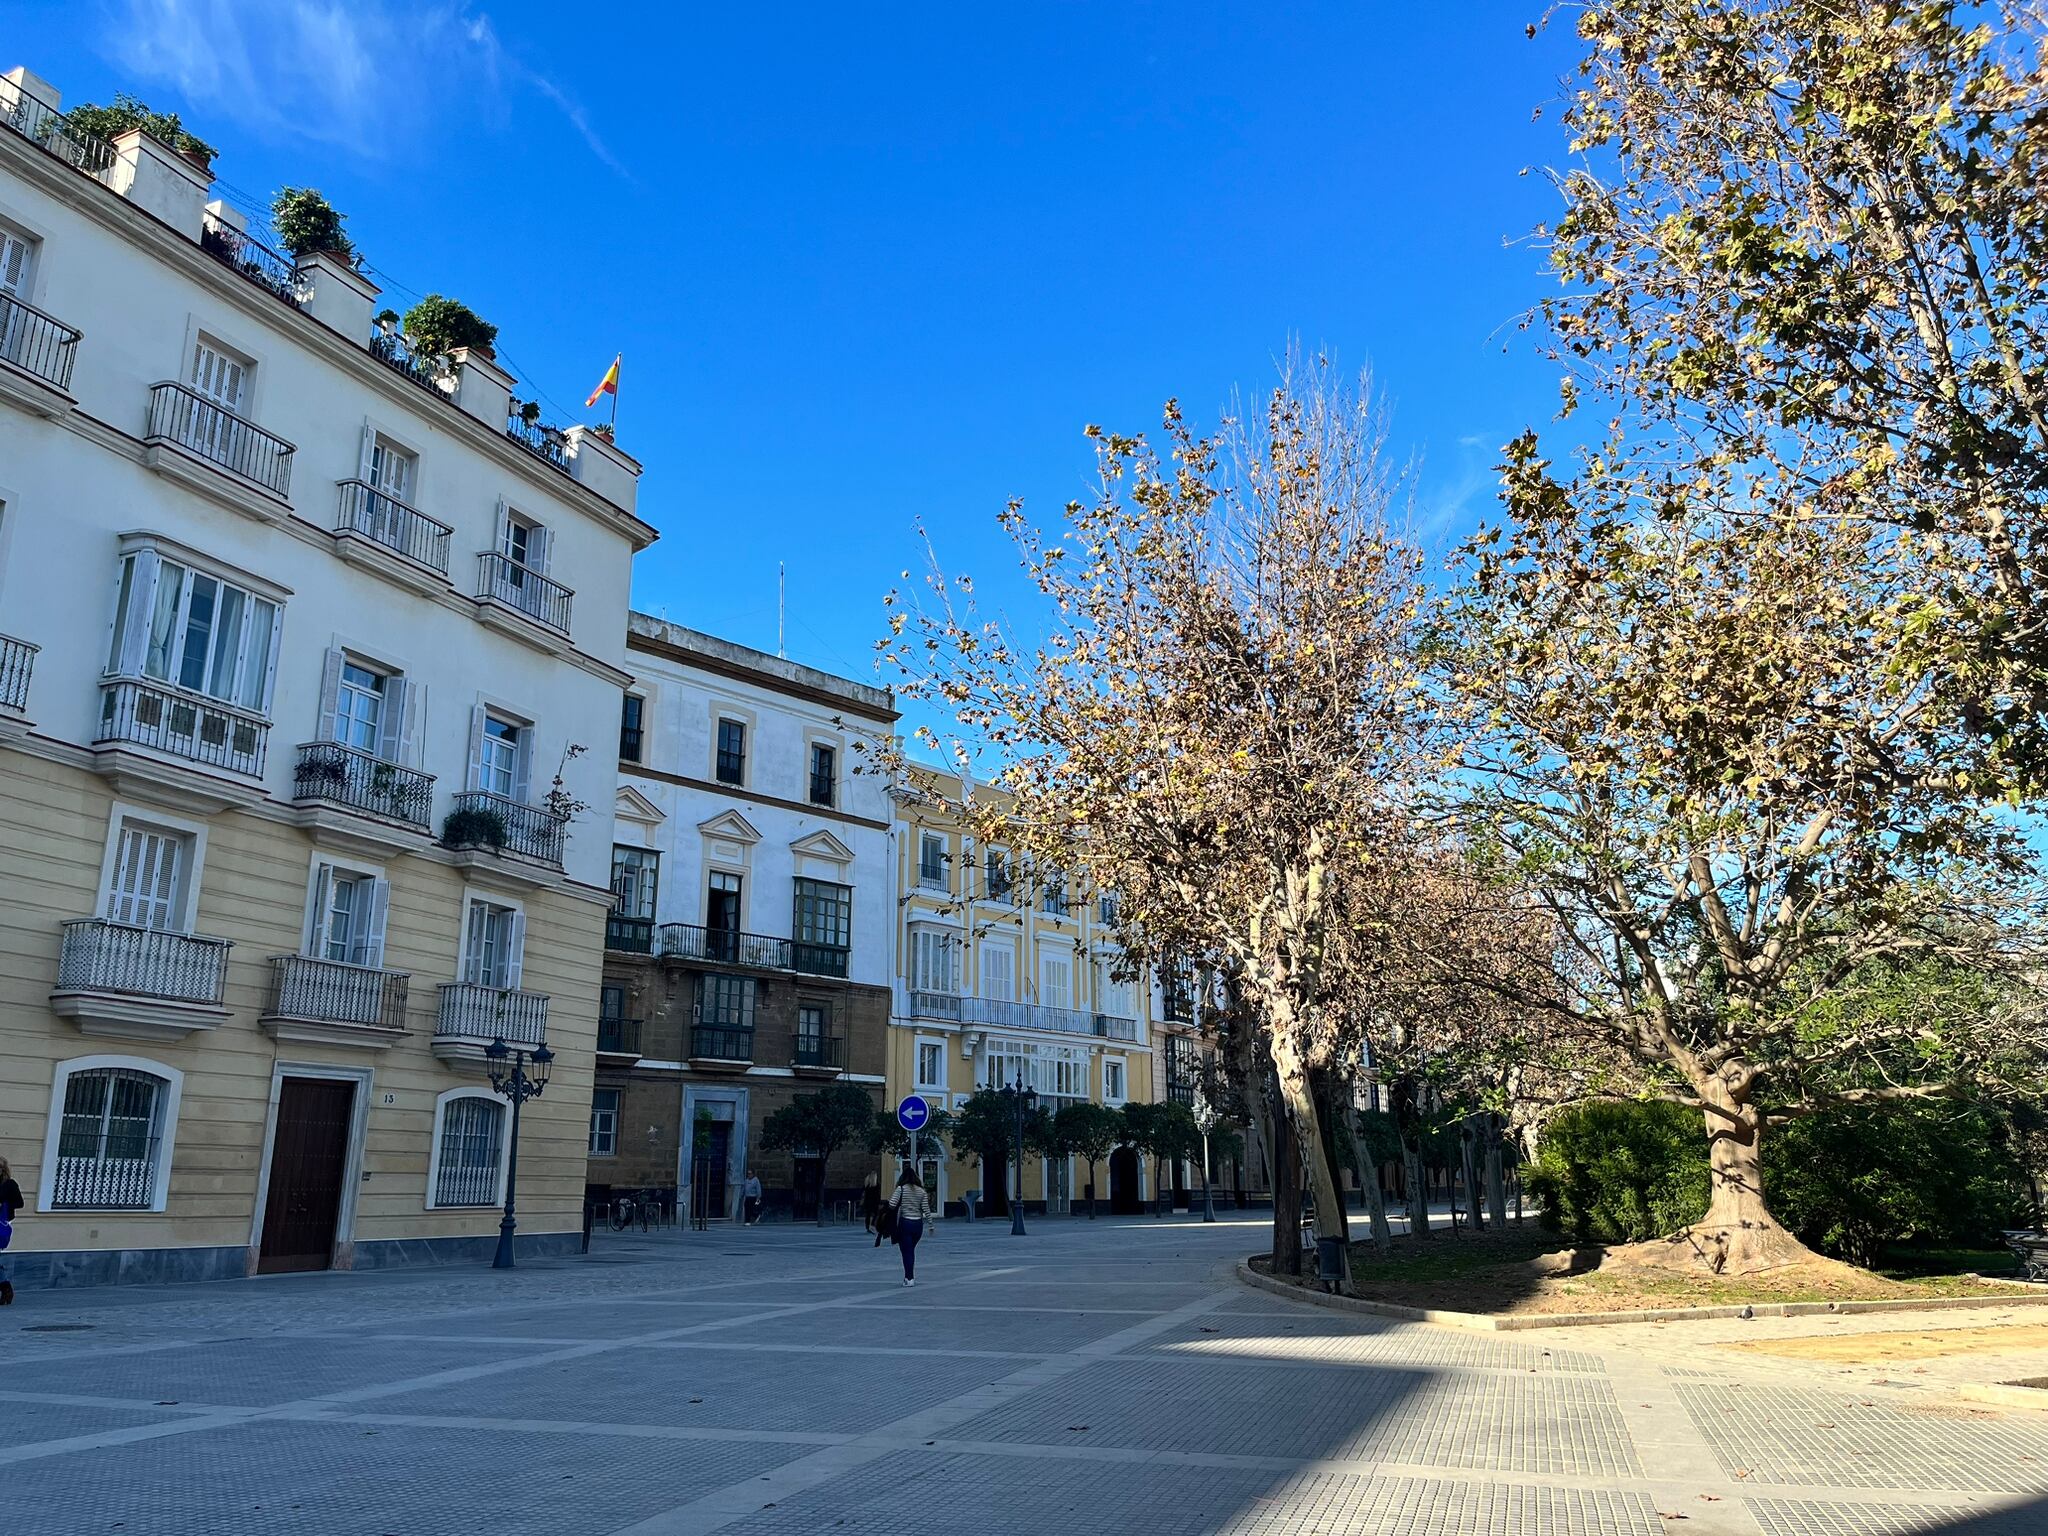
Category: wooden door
[1123,1182]
[710,1195]
[308,1160]
[995,1184]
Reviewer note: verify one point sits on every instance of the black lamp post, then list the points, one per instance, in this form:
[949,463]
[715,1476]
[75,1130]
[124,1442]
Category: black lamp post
[1205,1121]
[519,1075]
[1023,1101]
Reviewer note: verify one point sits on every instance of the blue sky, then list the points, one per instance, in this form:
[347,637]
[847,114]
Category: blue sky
[871,265]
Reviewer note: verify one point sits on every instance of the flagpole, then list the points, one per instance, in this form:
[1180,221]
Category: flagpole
[615,395]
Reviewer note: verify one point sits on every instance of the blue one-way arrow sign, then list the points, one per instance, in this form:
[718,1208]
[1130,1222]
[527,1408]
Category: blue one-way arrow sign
[912,1113]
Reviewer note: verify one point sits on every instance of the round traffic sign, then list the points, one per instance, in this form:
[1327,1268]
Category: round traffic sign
[912,1113]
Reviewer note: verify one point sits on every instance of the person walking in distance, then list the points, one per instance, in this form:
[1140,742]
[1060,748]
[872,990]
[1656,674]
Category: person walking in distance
[870,1201]
[10,1203]
[909,1205]
[750,1212]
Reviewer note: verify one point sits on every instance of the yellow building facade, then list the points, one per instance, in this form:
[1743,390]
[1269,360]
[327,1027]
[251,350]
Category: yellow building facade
[1006,974]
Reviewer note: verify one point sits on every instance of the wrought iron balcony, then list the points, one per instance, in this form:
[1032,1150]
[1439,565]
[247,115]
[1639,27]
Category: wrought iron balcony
[1111,1026]
[504,580]
[328,992]
[183,416]
[935,1005]
[37,343]
[512,826]
[361,781]
[628,935]
[184,725]
[723,946]
[242,253]
[819,1053]
[106,957]
[43,125]
[544,442]
[717,1042]
[818,959]
[994,1013]
[385,520]
[470,1013]
[17,661]
[618,1037]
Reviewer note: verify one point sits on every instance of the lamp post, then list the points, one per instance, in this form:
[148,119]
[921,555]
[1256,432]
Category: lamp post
[1205,1120]
[1023,1101]
[518,1075]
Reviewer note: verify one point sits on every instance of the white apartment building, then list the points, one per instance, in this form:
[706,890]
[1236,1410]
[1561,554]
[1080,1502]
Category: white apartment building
[297,640]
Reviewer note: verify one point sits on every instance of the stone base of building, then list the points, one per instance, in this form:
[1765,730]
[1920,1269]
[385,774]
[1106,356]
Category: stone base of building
[65,1270]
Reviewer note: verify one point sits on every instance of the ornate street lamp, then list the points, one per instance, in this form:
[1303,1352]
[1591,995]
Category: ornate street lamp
[1205,1120]
[518,1075]
[1023,1101]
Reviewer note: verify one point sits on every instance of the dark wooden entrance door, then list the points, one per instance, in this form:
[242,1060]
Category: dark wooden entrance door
[995,1184]
[808,1174]
[308,1160]
[1123,1182]
[708,1194]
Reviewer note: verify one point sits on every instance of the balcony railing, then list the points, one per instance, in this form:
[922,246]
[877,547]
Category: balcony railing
[526,829]
[1111,1026]
[543,442]
[37,343]
[384,519]
[935,1005]
[723,946]
[504,580]
[717,1042]
[428,371]
[360,780]
[184,725]
[178,414]
[618,1037]
[302,987]
[628,935]
[818,959]
[994,1013]
[241,252]
[826,1051]
[42,124]
[101,956]
[472,1012]
[17,661]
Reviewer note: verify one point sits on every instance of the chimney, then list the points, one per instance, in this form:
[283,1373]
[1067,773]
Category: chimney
[597,462]
[159,180]
[482,388]
[341,298]
[19,82]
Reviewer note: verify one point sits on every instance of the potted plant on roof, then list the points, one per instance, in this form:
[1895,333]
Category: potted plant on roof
[437,326]
[308,225]
[128,114]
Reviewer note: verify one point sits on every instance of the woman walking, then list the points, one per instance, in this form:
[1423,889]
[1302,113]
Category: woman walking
[10,1202]
[909,1205]
[870,1201]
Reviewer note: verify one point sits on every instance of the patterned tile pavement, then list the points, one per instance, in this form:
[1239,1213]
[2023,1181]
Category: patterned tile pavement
[1095,1379]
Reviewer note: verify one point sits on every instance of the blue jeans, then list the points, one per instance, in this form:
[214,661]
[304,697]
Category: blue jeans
[907,1234]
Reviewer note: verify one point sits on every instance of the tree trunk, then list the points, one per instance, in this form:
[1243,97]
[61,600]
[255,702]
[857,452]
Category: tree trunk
[1468,1164]
[1417,1177]
[1286,1175]
[1094,1186]
[1496,1182]
[1369,1184]
[1300,1100]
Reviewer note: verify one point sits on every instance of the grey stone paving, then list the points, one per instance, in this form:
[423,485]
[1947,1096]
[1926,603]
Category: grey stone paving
[1093,1379]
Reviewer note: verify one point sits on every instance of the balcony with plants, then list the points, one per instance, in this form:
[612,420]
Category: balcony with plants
[350,779]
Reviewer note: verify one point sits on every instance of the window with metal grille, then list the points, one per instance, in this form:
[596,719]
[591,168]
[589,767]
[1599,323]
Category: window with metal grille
[630,715]
[998,864]
[604,1122]
[824,772]
[931,860]
[824,914]
[110,1140]
[732,752]
[472,1144]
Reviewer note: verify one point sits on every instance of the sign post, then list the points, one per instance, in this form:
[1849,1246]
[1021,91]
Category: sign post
[912,1114]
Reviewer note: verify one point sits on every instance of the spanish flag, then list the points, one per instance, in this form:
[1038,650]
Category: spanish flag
[608,385]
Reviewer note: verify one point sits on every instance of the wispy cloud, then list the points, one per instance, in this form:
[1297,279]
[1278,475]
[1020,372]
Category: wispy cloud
[371,75]
[1451,499]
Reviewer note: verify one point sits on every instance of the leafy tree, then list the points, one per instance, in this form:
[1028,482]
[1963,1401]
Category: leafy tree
[128,113]
[821,1123]
[1220,721]
[1091,1132]
[1621,1172]
[436,326]
[306,224]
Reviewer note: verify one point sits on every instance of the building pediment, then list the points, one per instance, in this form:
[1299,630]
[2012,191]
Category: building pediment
[730,827]
[631,805]
[822,845]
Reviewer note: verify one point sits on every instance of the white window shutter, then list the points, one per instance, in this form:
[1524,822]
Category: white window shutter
[391,721]
[323,906]
[370,944]
[473,944]
[476,747]
[415,718]
[539,548]
[330,693]
[367,470]
[515,950]
[522,766]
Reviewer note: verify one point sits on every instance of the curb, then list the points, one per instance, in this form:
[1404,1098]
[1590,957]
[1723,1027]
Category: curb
[1484,1322]
[2005,1394]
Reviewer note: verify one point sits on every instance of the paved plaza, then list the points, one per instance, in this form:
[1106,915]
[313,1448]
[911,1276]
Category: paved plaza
[1091,1378]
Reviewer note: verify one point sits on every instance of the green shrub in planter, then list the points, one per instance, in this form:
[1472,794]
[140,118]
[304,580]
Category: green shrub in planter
[438,325]
[127,113]
[475,827]
[307,224]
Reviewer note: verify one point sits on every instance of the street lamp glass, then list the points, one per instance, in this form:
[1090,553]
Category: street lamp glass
[543,1059]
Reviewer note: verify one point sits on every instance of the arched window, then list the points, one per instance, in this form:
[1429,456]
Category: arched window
[469,1149]
[112,1120]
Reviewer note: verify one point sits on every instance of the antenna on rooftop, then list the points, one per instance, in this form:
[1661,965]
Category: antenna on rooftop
[780,653]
